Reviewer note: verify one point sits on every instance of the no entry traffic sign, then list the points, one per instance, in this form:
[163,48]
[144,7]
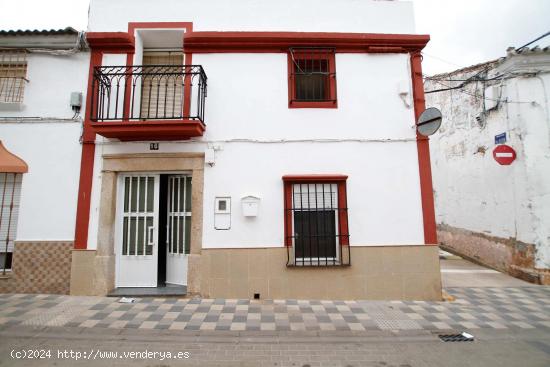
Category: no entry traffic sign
[504,154]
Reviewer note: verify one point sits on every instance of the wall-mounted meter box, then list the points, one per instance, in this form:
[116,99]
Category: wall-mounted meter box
[222,213]
[250,205]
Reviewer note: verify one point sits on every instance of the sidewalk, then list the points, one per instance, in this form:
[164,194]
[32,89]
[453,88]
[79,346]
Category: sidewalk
[474,308]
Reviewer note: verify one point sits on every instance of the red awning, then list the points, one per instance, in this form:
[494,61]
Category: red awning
[11,163]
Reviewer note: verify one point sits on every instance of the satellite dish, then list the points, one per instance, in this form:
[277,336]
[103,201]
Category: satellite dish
[429,121]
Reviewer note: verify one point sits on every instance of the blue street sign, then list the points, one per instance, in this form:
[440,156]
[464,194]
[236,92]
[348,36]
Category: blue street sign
[500,138]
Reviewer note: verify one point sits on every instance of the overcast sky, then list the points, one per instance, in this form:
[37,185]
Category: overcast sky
[463,32]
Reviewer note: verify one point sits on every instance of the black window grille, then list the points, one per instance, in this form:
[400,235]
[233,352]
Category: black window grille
[318,218]
[313,75]
[13,72]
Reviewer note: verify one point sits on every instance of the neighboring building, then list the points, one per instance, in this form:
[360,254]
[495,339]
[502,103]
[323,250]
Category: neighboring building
[245,149]
[495,214]
[39,156]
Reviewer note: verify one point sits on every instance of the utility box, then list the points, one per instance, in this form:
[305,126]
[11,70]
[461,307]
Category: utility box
[250,205]
[222,213]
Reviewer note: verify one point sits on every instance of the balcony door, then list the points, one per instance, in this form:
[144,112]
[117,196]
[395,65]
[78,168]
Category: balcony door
[162,85]
[137,230]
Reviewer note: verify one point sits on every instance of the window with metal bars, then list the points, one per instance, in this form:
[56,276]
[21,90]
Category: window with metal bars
[316,220]
[13,72]
[311,78]
[10,194]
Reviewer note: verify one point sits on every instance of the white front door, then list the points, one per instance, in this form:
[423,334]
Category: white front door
[178,228]
[137,230]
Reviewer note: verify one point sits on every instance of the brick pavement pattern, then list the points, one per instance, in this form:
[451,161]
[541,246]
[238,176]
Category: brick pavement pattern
[474,308]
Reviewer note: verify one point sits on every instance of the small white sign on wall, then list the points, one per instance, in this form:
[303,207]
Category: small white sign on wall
[222,213]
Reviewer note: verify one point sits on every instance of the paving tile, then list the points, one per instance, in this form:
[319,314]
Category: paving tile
[148,324]
[474,308]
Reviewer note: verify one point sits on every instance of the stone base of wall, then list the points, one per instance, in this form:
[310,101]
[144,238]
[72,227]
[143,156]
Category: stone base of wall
[377,273]
[507,255]
[39,267]
[92,274]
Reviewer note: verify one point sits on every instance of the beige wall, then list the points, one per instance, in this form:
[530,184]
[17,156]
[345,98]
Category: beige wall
[39,267]
[93,272]
[379,273]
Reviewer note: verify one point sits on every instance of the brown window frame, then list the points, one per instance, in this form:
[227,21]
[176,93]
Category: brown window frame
[342,235]
[312,54]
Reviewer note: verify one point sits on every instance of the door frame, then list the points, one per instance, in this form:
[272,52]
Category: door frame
[119,190]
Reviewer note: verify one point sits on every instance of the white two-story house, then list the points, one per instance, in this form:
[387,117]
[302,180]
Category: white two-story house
[254,150]
[43,76]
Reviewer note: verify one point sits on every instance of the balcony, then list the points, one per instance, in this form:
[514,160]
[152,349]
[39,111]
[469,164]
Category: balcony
[148,102]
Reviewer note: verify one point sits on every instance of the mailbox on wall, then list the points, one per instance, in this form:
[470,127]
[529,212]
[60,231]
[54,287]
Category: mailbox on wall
[250,205]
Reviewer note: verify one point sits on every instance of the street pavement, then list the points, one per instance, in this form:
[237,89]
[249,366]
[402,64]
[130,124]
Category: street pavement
[508,318]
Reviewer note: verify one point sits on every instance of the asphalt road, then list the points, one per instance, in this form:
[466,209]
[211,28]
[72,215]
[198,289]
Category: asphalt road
[94,347]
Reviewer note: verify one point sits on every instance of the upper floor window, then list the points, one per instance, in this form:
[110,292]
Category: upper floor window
[311,78]
[13,72]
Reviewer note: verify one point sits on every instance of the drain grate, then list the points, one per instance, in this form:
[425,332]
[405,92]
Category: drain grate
[463,337]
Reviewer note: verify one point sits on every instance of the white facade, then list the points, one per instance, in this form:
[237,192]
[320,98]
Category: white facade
[261,142]
[472,191]
[42,131]
[256,138]
[361,16]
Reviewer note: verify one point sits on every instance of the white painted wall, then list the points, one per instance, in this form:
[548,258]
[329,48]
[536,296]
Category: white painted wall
[367,16]
[49,189]
[474,192]
[251,101]
[51,81]
[50,145]
[383,190]
[369,137]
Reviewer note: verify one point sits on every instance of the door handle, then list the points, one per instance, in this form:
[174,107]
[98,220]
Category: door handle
[151,241]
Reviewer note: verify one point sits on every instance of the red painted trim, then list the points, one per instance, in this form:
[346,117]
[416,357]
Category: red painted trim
[321,178]
[128,86]
[150,130]
[111,42]
[86,164]
[132,26]
[292,83]
[217,42]
[289,180]
[423,148]
[343,214]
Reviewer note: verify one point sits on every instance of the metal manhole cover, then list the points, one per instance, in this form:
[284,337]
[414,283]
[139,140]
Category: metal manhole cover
[463,337]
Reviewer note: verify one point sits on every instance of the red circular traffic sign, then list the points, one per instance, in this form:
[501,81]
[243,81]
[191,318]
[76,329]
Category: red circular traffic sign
[504,154]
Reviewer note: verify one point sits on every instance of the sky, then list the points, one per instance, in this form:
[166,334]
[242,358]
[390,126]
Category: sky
[463,32]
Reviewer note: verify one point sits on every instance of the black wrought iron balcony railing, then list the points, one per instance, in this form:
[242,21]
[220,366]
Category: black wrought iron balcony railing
[148,92]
